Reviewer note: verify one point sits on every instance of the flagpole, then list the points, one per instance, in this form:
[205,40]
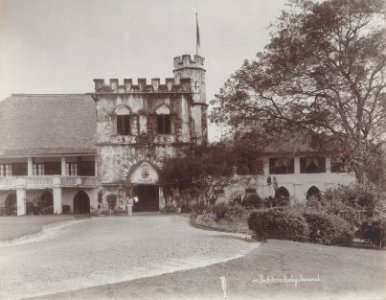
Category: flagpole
[197,36]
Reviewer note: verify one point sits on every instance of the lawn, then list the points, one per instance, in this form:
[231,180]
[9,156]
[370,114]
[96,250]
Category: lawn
[342,273]
[14,227]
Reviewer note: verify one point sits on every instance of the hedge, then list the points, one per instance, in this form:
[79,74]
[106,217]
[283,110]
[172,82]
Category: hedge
[278,223]
[328,229]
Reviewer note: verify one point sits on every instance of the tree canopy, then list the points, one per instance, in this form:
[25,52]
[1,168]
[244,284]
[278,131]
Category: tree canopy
[322,71]
[206,170]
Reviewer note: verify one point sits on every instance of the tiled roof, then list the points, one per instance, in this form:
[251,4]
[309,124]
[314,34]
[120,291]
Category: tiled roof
[47,124]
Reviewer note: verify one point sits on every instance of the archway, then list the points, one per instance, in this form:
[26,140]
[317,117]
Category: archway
[144,178]
[10,205]
[282,196]
[81,203]
[313,193]
[46,203]
[148,197]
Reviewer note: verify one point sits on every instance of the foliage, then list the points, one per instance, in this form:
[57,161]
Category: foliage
[252,200]
[373,231]
[328,229]
[227,213]
[278,223]
[66,209]
[353,202]
[322,73]
[204,170]
[277,201]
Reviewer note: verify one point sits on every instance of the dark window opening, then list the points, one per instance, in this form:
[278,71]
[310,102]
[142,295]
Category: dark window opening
[123,124]
[281,165]
[86,168]
[163,124]
[52,168]
[312,165]
[20,169]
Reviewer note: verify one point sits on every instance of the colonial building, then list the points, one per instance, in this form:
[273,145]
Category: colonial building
[75,153]
[79,153]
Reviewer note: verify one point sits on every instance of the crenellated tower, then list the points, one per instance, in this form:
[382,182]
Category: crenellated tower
[192,68]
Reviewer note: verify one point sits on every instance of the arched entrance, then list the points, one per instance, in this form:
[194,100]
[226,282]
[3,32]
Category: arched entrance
[81,203]
[282,196]
[313,193]
[46,203]
[10,206]
[148,197]
[144,178]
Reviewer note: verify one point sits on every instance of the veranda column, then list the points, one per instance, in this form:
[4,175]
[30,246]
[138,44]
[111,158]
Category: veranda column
[57,193]
[63,166]
[29,167]
[161,199]
[297,165]
[21,196]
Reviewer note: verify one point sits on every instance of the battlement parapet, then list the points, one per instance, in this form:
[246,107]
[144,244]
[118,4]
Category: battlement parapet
[170,85]
[188,61]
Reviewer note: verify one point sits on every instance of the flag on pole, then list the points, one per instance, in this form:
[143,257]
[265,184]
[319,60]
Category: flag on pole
[197,37]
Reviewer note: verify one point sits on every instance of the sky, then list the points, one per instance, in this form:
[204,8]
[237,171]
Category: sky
[60,46]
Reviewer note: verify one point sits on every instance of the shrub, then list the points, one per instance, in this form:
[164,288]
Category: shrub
[359,197]
[373,231]
[328,229]
[66,209]
[276,201]
[252,201]
[278,223]
[226,212]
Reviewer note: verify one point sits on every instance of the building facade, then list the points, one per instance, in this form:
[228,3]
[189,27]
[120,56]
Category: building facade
[76,153]
[80,153]
[138,125]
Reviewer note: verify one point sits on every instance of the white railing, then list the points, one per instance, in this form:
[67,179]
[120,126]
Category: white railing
[39,182]
[7,181]
[70,180]
[89,181]
[78,181]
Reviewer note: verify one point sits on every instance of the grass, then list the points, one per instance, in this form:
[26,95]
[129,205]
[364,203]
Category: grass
[343,272]
[14,227]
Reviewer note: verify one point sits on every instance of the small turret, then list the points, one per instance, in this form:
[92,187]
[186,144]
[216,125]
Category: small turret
[188,67]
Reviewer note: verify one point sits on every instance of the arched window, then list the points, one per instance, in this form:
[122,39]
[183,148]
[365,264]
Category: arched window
[282,196]
[123,120]
[313,193]
[163,120]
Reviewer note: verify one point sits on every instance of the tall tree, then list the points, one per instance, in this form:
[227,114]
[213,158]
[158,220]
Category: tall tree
[324,71]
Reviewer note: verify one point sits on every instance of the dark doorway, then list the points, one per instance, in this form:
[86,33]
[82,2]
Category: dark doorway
[148,198]
[46,203]
[10,208]
[81,203]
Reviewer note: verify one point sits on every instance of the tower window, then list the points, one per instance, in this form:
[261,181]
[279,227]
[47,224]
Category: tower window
[163,124]
[123,124]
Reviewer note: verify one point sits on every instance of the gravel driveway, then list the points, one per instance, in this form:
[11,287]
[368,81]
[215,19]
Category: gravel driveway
[104,250]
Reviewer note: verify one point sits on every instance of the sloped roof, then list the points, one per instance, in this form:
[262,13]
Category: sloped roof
[47,124]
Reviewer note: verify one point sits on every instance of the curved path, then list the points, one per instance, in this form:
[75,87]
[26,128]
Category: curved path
[110,249]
